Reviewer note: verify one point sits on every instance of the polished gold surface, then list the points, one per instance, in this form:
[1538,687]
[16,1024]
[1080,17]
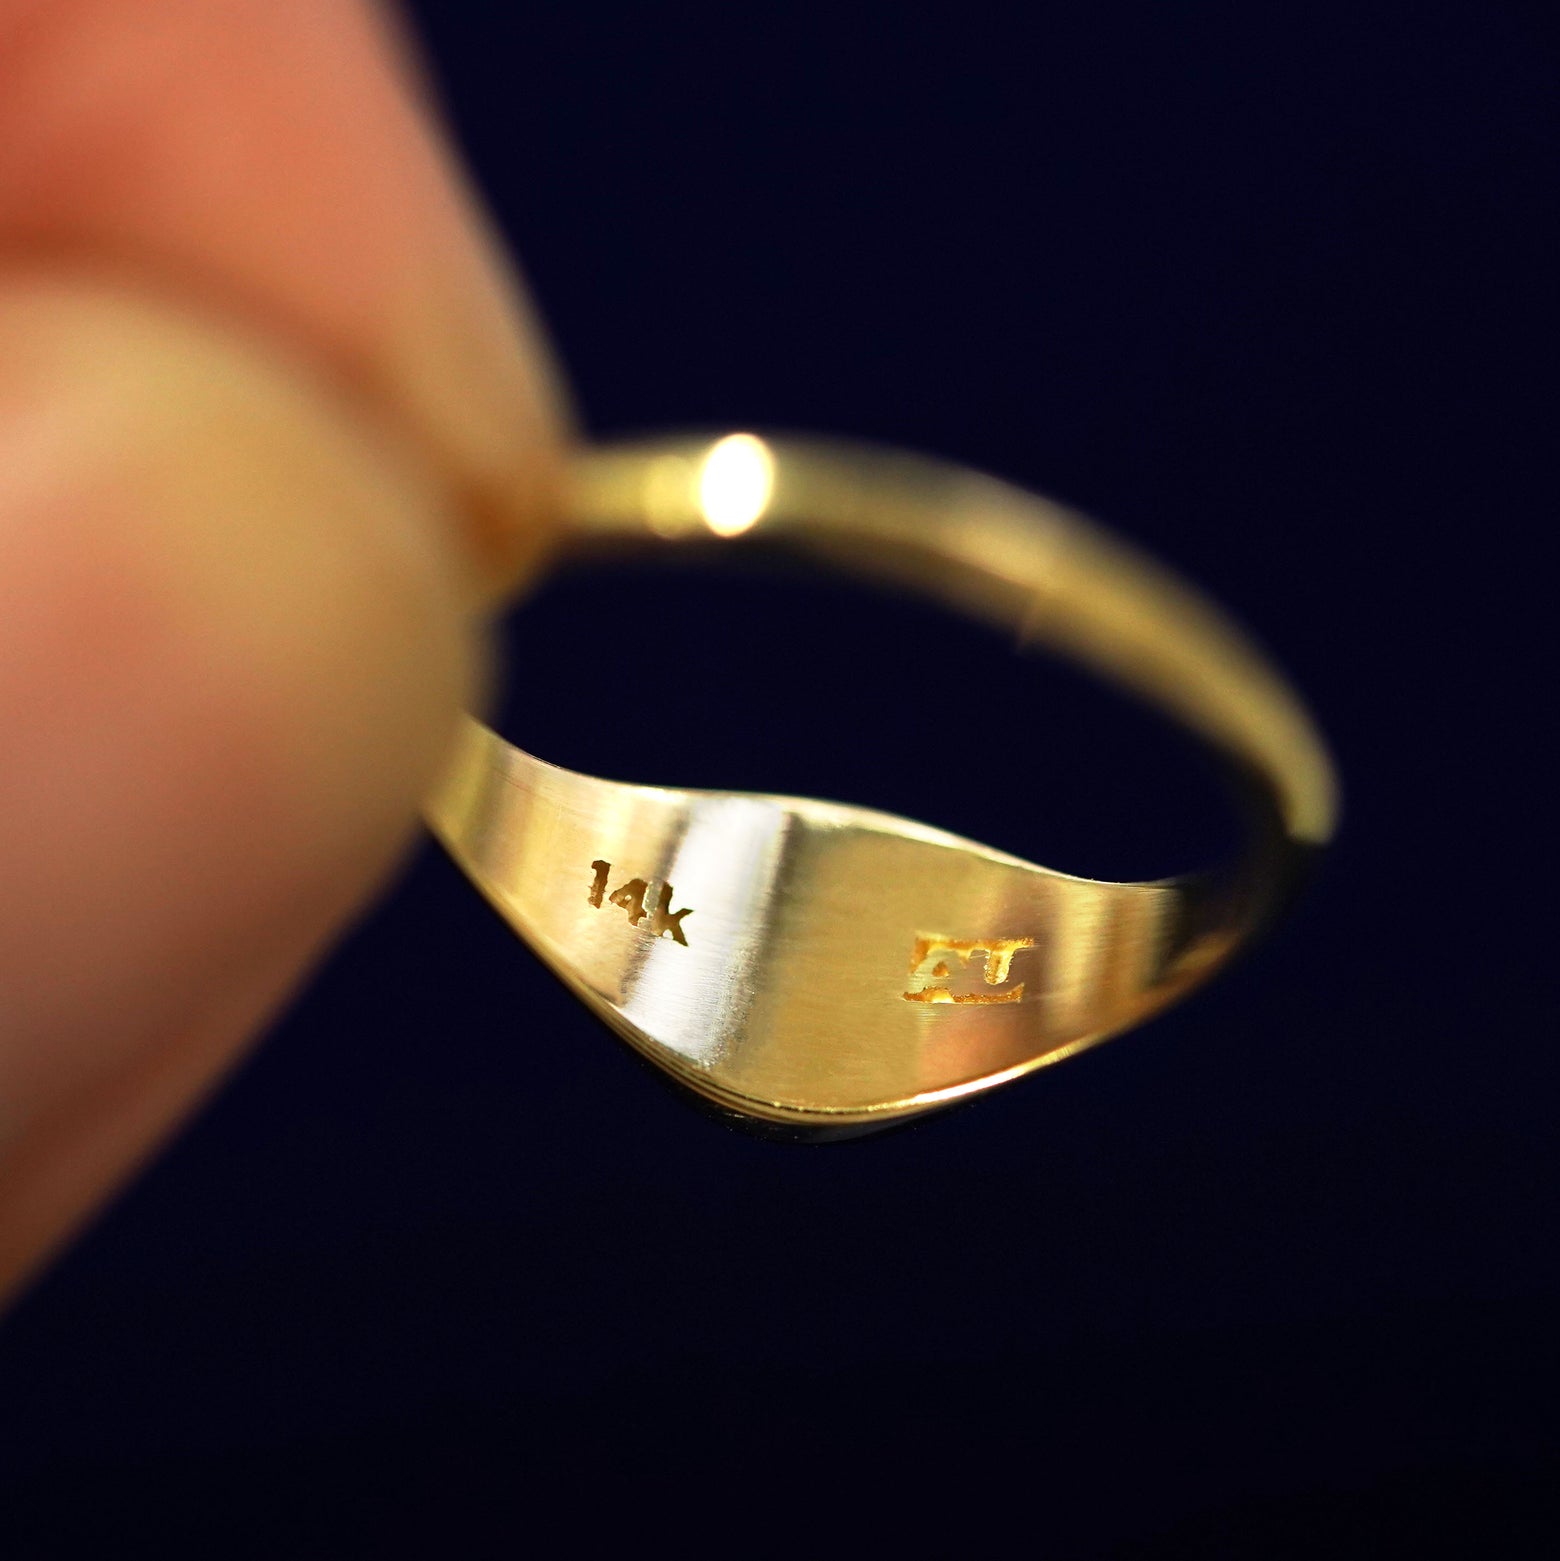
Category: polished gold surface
[821,965]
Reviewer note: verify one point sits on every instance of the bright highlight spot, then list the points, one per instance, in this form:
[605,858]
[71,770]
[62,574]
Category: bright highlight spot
[735,484]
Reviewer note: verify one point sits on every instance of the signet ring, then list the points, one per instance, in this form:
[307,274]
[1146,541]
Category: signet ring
[830,969]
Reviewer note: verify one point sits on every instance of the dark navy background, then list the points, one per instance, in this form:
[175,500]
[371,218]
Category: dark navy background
[443,1270]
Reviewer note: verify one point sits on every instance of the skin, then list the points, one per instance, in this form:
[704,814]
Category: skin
[276,429]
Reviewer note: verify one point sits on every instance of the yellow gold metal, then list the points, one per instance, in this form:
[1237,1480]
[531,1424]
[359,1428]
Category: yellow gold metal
[826,966]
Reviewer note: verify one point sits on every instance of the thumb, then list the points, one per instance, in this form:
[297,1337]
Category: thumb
[232,647]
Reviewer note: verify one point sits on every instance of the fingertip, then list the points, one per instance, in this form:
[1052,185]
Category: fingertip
[276,159]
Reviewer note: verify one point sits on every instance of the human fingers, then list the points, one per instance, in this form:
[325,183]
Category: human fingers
[245,509]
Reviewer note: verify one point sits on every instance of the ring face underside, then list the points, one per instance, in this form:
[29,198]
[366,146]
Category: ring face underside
[826,966]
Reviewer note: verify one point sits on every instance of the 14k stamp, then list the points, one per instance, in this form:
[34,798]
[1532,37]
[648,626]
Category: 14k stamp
[664,922]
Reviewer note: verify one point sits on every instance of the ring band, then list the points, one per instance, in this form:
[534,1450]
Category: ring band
[830,967]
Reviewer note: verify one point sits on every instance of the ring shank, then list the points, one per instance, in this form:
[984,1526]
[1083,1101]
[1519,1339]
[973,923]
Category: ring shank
[988,549]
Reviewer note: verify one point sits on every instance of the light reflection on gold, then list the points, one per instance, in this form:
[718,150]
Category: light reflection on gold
[735,484]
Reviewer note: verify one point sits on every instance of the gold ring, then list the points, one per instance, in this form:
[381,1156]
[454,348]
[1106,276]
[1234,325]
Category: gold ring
[828,967]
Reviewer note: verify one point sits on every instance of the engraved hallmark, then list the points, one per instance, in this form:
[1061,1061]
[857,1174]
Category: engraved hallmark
[929,963]
[664,922]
